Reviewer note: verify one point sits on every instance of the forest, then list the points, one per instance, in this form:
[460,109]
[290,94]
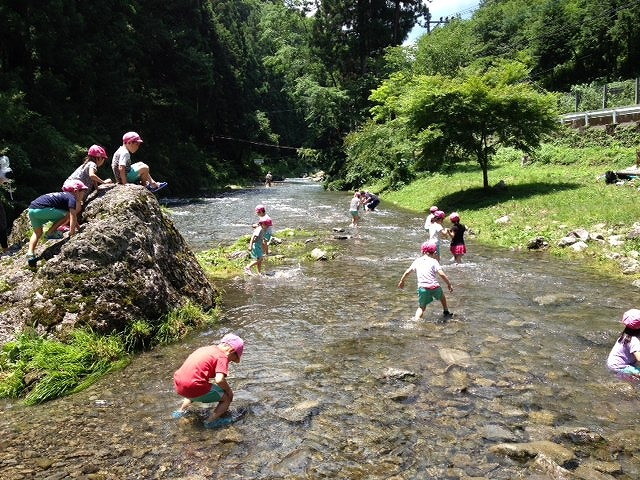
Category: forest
[222,91]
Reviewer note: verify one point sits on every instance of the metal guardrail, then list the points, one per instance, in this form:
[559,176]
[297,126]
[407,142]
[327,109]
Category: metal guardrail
[613,113]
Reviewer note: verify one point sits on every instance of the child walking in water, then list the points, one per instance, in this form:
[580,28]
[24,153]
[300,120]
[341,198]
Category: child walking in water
[437,231]
[625,355]
[256,245]
[456,232]
[203,377]
[354,209]
[261,211]
[426,268]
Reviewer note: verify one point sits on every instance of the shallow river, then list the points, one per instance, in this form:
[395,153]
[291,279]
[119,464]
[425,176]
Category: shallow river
[340,382]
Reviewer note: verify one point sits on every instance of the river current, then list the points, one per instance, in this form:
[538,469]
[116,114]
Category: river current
[339,381]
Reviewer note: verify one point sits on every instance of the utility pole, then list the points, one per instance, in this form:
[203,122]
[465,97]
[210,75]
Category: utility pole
[436,23]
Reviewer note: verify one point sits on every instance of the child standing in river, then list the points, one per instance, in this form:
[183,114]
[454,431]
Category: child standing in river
[256,247]
[625,355]
[261,211]
[456,232]
[427,269]
[354,209]
[203,377]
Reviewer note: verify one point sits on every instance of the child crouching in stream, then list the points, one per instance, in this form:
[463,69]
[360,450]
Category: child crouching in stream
[624,357]
[203,377]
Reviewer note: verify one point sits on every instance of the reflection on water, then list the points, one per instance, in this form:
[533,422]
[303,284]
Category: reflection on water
[339,380]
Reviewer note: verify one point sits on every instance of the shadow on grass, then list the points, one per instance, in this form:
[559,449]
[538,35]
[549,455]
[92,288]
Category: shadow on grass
[478,198]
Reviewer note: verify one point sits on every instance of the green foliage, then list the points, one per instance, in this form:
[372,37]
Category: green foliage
[41,369]
[4,286]
[547,199]
[183,320]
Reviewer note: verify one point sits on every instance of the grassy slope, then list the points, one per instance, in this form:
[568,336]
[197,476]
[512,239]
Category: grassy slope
[547,200]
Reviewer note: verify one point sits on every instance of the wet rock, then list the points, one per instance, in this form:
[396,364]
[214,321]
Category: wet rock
[231,435]
[579,436]
[615,240]
[503,219]
[546,465]
[341,237]
[611,468]
[498,433]
[44,462]
[338,229]
[399,374]
[452,356]
[586,473]
[239,254]
[555,299]
[525,451]
[301,411]
[402,394]
[543,417]
[636,283]
[580,233]
[318,254]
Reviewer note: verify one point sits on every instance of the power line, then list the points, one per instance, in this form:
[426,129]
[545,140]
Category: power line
[262,144]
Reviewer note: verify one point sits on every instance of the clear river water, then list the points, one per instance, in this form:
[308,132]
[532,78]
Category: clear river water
[340,382]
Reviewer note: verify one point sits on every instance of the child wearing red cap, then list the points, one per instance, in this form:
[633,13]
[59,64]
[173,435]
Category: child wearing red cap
[426,268]
[203,377]
[456,232]
[256,246]
[625,354]
[58,208]
[261,211]
[125,172]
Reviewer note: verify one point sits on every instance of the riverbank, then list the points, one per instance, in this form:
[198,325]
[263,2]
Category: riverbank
[539,205]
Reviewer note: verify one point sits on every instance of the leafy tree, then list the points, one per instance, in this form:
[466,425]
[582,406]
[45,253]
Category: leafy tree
[451,118]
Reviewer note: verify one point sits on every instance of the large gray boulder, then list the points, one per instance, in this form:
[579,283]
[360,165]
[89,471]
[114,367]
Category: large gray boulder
[127,263]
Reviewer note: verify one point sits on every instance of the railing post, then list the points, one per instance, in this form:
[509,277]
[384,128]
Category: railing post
[586,119]
[578,99]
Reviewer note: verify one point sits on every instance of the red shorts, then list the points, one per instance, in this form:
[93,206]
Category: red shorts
[458,249]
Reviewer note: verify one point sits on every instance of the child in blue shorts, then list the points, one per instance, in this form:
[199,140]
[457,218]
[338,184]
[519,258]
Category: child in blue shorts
[256,246]
[57,208]
[426,268]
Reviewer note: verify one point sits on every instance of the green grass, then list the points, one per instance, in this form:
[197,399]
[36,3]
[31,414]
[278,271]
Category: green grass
[40,369]
[228,261]
[549,198]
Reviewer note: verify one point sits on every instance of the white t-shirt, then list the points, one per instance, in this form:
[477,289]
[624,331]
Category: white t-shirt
[354,206]
[427,222]
[426,269]
[435,232]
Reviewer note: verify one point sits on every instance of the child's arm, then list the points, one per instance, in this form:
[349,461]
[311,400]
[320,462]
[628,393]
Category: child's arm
[123,174]
[221,380]
[446,279]
[404,275]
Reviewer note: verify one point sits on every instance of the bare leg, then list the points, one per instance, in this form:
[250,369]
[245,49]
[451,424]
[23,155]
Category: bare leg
[62,221]
[37,233]
[220,409]
[443,301]
[419,313]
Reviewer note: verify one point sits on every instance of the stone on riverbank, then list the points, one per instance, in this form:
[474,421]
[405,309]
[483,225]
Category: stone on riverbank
[127,263]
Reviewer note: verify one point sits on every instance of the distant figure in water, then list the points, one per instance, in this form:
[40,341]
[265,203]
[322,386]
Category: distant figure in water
[456,232]
[625,354]
[370,201]
[427,222]
[268,179]
[426,268]
[203,376]
[354,209]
